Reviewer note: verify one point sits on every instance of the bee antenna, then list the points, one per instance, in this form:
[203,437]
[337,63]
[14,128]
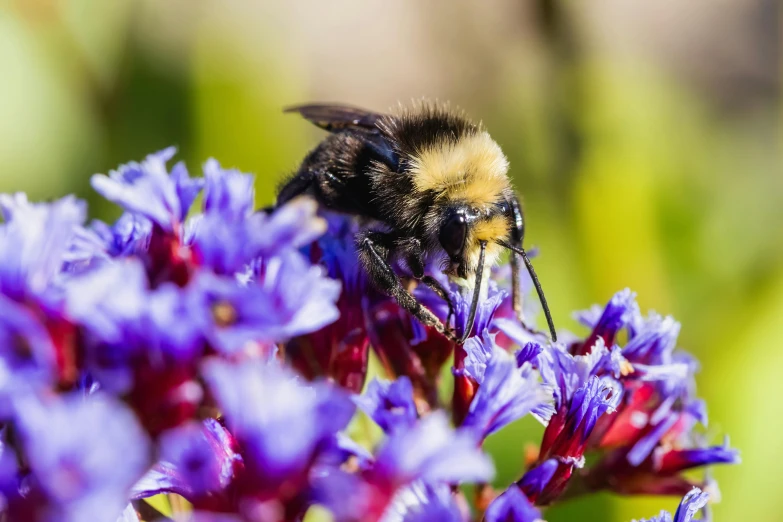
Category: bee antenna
[476,294]
[540,291]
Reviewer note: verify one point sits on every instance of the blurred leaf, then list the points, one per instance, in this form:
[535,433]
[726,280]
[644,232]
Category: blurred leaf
[239,98]
[45,126]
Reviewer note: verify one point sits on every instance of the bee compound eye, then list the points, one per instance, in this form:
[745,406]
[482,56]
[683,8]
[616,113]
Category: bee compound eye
[452,234]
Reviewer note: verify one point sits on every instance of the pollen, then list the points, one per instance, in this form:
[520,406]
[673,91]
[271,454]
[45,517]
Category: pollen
[626,368]
[224,314]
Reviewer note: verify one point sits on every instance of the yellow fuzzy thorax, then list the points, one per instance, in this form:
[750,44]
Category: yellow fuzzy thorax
[472,169]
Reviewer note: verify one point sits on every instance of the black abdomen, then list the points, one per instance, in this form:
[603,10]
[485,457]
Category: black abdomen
[336,174]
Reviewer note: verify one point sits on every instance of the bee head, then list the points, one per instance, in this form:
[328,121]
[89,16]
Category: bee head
[463,228]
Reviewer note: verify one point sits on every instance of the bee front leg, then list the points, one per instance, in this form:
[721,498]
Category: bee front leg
[415,257]
[375,249]
[517,237]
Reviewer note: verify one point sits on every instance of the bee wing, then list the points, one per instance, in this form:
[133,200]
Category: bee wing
[363,123]
[334,117]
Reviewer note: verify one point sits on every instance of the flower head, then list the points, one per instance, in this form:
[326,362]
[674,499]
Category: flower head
[619,312]
[280,422]
[83,457]
[424,503]
[99,242]
[26,347]
[227,192]
[339,350]
[149,190]
[431,451]
[33,243]
[506,392]
[389,404]
[159,351]
[196,460]
[289,298]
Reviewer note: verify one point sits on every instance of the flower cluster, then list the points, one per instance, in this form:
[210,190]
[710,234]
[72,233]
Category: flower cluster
[215,353]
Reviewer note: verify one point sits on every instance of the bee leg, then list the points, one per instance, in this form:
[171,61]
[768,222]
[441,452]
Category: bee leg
[415,258]
[436,287]
[517,236]
[374,251]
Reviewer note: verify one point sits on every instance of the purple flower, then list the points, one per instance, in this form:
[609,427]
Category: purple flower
[479,349]
[189,320]
[595,398]
[389,403]
[289,299]
[294,225]
[279,421]
[172,323]
[115,306]
[226,247]
[90,246]
[430,451]
[147,189]
[567,434]
[140,343]
[528,353]
[535,482]
[677,460]
[691,503]
[618,313]
[199,454]
[26,349]
[227,192]
[424,503]
[567,373]
[651,352]
[505,393]
[484,313]
[128,326]
[196,460]
[227,244]
[33,243]
[512,506]
[108,299]
[83,455]
[653,340]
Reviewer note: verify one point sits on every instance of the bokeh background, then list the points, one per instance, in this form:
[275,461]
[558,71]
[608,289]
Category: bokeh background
[643,136]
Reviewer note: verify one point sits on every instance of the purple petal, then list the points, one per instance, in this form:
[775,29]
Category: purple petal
[228,192]
[507,393]
[693,501]
[512,506]
[389,403]
[196,459]
[34,243]
[84,453]
[279,421]
[430,450]
[147,189]
[536,480]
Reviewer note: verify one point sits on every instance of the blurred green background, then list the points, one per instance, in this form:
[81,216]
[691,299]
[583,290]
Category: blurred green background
[643,136]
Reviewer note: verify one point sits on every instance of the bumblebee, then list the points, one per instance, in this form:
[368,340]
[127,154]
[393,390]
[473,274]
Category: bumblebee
[436,182]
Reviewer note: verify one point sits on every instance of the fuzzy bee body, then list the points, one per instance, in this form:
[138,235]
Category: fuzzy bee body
[435,180]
